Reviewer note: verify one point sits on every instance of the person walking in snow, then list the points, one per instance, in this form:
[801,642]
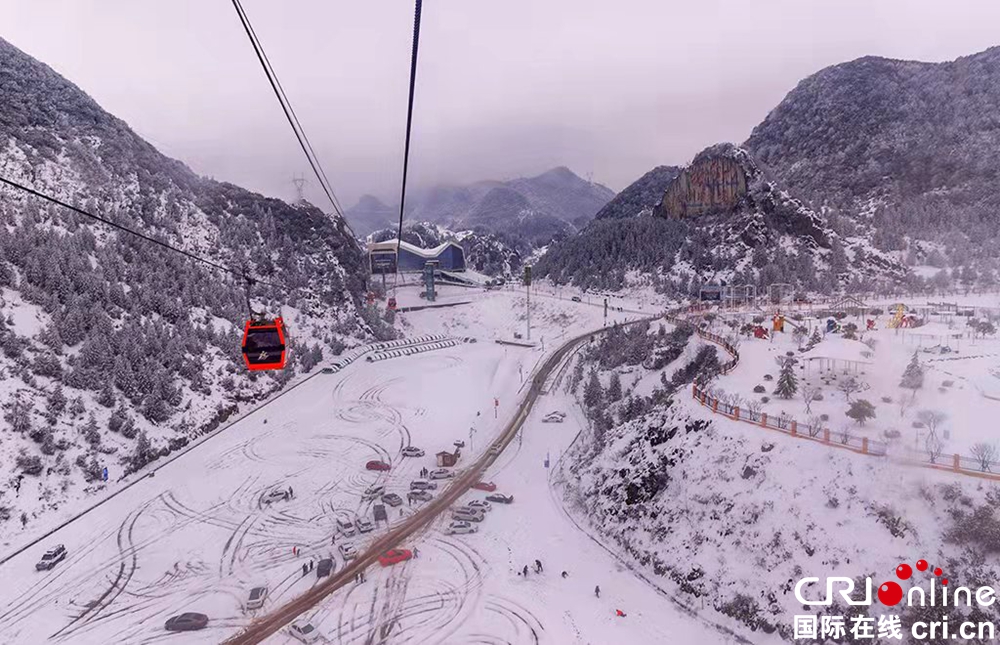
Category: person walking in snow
[538,566]
[565,575]
[525,571]
[305,569]
[597,591]
[416,552]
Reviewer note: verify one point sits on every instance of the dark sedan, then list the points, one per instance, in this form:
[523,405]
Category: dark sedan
[186,622]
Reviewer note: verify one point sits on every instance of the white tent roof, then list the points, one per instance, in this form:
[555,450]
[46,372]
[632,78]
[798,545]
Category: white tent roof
[430,254]
[840,349]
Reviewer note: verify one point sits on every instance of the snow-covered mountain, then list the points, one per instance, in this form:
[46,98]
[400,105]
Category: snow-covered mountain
[903,152]
[535,210]
[114,350]
[717,219]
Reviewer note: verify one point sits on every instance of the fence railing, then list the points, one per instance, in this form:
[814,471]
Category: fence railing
[841,439]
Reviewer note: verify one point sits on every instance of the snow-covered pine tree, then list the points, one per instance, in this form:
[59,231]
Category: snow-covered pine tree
[787,384]
[593,393]
[913,375]
[615,387]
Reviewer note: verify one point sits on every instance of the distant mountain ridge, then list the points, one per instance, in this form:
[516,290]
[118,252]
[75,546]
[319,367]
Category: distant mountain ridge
[535,210]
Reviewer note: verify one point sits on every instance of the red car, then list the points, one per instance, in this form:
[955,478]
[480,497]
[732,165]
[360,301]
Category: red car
[394,556]
[489,487]
[376,464]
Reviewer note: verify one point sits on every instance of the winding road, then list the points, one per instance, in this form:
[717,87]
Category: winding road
[269,624]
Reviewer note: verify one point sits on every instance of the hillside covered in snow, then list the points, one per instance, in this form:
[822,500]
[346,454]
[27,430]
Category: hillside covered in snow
[116,351]
[719,219]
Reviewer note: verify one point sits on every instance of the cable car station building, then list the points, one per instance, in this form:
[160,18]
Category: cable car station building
[383,258]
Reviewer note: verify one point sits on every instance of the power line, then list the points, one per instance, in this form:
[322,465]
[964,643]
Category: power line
[286,107]
[197,258]
[409,123]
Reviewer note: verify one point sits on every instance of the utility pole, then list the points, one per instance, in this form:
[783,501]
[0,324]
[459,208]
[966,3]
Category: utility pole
[300,182]
[527,298]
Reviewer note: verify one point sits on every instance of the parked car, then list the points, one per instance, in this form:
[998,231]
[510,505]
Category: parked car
[419,495]
[466,514]
[441,473]
[186,622]
[489,487]
[500,498]
[51,558]
[394,556]
[304,632]
[327,370]
[553,417]
[364,525]
[576,299]
[422,484]
[460,527]
[257,597]
[276,495]
[392,499]
[324,567]
[345,527]
[373,492]
[347,550]
[412,451]
[458,443]
[481,504]
[377,464]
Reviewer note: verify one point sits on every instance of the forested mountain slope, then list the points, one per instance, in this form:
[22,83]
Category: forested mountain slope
[903,152]
[719,219]
[115,350]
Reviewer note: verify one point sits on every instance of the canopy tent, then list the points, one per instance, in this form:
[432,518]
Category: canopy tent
[835,352]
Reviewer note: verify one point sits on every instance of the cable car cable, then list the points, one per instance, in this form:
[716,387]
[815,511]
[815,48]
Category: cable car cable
[289,111]
[125,229]
[409,124]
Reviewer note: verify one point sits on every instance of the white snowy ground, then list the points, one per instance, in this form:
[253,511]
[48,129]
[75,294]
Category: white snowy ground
[196,537]
[974,371]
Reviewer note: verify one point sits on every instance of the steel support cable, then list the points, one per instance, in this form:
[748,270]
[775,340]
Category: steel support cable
[242,274]
[289,111]
[409,124]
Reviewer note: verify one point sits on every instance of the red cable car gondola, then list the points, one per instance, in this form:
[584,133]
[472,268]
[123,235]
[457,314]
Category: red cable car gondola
[264,344]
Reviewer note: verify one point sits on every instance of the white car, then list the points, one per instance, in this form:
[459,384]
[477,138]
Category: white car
[458,527]
[553,417]
[480,504]
[422,484]
[373,492]
[257,597]
[304,632]
[347,550]
[441,473]
[412,451]
[364,525]
[346,527]
[465,514]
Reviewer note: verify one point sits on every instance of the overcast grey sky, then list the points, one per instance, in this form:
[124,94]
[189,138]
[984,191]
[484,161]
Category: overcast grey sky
[609,87]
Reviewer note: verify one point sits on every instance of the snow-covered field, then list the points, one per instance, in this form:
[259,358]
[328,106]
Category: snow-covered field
[963,384]
[198,536]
